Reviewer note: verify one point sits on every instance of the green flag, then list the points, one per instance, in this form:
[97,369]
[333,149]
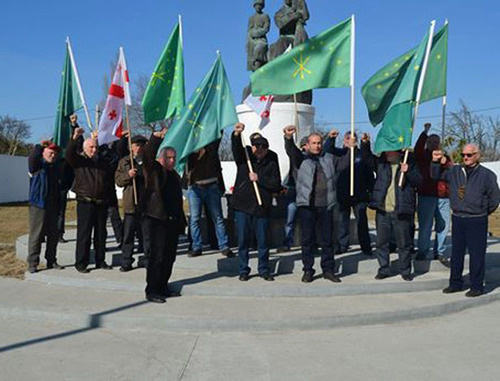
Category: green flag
[435,77]
[396,132]
[69,102]
[165,94]
[321,62]
[209,110]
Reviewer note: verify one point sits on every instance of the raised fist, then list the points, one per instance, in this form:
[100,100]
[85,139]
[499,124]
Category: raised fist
[288,131]
[365,138]
[333,134]
[238,128]
[427,127]
[78,132]
[160,134]
[437,155]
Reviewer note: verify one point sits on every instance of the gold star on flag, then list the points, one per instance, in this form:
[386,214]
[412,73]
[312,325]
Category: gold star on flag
[339,62]
[438,57]
[416,67]
[157,77]
[190,107]
[301,63]
[401,139]
[396,65]
[379,87]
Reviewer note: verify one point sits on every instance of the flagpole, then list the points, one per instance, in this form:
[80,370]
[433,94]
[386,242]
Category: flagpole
[97,114]
[296,120]
[78,83]
[443,121]
[250,168]
[353,42]
[419,90]
[180,32]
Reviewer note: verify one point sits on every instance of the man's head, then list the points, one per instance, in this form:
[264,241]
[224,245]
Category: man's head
[167,158]
[254,136]
[50,152]
[259,5]
[471,155]
[138,143]
[314,143]
[347,138]
[433,142]
[260,147]
[90,147]
[393,157]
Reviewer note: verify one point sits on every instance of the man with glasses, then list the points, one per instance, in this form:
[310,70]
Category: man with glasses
[474,194]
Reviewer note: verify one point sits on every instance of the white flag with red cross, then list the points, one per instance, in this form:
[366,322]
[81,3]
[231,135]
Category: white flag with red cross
[111,123]
[261,106]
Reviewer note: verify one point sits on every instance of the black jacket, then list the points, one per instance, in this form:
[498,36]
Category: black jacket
[267,169]
[364,178]
[481,196]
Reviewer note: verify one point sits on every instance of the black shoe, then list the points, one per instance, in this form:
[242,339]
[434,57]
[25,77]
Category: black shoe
[451,290]
[407,277]
[55,266]
[62,240]
[308,276]
[227,253]
[444,261]
[172,293]
[473,293]
[195,253]
[283,249]
[83,271]
[32,270]
[380,276]
[341,251]
[125,269]
[104,266]
[244,277]
[155,298]
[368,253]
[267,276]
[420,256]
[332,277]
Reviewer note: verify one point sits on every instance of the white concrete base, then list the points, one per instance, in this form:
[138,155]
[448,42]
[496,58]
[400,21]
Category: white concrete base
[282,114]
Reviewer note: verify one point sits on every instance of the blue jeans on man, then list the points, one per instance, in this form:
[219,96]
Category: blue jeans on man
[291,216]
[432,211]
[244,224]
[209,195]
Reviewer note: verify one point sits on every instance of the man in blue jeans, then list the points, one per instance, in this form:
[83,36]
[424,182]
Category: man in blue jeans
[433,201]
[264,176]
[205,186]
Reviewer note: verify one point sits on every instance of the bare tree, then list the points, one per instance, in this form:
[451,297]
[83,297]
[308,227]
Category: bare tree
[13,134]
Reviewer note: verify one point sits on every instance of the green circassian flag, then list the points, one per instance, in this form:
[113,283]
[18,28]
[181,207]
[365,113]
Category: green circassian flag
[69,103]
[321,62]
[390,94]
[209,110]
[165,94]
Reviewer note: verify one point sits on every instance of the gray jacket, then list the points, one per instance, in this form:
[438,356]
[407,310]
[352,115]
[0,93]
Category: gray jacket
[304,168]
[481,195]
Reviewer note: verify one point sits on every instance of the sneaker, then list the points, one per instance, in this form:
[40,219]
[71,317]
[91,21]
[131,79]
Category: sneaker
[329,275]
[283,249]
[451,290]
[308,276]
[195,253]
[244,277]
[55,266]
[227,253]
[268,277]
[444,261]
[473,293]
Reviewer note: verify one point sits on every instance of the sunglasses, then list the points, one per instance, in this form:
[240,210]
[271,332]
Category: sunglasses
[469,155]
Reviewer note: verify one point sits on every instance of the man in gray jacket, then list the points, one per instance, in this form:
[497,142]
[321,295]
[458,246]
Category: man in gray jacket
[315,176]
[474,194]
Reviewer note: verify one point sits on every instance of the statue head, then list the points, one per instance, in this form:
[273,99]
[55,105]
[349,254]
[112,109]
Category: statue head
[288,2]
[259,5]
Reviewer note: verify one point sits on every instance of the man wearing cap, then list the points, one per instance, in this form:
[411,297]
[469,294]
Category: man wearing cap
[91,189]
[205,187]
[124,177]
[315,173]
[247,211]
[474,195]
[45,184]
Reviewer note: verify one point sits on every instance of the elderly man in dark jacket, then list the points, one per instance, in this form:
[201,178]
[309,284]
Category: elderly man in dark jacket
[91,189]
[45,186]
[474,194]
[247,211]
[315,176]
[363,185]
[162,206]
[395,208]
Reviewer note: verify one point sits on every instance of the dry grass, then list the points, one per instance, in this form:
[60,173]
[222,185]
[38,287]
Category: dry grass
[10,265]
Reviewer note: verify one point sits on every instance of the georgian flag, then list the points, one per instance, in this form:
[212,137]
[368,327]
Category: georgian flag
[111,123]
[261,106]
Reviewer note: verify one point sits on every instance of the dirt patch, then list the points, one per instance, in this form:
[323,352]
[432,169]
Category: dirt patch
[10,266]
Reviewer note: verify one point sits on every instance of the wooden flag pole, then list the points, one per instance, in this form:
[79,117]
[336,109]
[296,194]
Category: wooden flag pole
[97,116]
[296,119]
[131,154]
[443,121]
[419,91]
[250,168]
[353,38]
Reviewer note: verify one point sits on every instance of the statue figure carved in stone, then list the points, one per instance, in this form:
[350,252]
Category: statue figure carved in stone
[258,27]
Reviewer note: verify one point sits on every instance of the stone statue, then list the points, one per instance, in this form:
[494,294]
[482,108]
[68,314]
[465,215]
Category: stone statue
[258,27]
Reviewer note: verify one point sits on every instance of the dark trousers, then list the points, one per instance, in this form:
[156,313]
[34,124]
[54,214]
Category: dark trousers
[402,227]
[246,224]
[42,223]
[163,239]
[61,218]
[116,222]
[90,216]
[359,209]
[468,233]
[131,227]
[320,219]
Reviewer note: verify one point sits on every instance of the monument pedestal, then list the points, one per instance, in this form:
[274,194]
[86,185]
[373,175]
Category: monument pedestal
[282,114]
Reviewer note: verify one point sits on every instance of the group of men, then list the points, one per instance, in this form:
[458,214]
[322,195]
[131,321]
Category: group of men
[317,187]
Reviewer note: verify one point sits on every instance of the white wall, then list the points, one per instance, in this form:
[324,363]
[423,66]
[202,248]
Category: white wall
[14,179]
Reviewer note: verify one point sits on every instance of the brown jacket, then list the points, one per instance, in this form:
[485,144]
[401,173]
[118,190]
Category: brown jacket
[123,179]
